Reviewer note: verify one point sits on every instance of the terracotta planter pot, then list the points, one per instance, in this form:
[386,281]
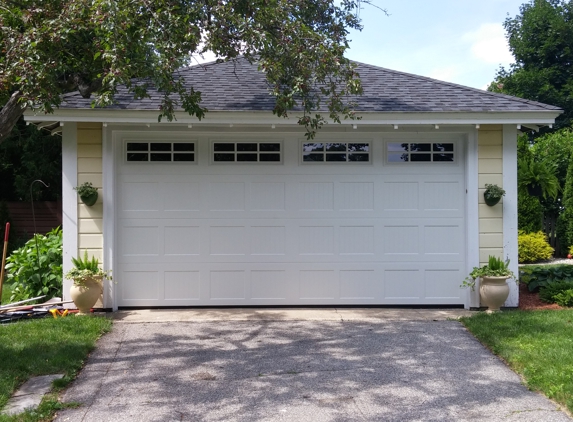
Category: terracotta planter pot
[493,292]
[86,296]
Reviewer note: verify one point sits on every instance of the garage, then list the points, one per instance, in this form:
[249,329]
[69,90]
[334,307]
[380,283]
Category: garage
[241,208]
[212,218]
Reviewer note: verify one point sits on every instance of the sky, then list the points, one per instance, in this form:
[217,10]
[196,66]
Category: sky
[459,41]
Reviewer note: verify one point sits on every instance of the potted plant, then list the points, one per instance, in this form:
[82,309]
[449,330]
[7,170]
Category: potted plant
[537,178]
[493,193]
[493,290]
[87,282]
[88,194]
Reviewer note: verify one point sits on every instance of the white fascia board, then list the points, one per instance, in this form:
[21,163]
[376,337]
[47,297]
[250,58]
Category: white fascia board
[266,117]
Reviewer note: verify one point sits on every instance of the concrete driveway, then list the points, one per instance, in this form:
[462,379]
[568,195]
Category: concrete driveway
[313,369]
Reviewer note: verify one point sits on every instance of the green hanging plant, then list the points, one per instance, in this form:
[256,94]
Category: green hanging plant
[538,178]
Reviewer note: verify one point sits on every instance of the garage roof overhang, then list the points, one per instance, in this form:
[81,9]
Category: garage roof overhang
[527,118]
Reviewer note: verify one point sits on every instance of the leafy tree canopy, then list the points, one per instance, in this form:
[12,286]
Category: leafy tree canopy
[541,41]
[57,46]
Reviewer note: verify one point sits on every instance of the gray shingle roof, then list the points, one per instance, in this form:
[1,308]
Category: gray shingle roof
[239,86]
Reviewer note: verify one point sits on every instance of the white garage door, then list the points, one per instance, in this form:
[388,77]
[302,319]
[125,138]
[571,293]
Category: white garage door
[260,220]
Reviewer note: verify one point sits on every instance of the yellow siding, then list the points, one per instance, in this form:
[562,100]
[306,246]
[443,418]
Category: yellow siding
[490,169]
[90,227]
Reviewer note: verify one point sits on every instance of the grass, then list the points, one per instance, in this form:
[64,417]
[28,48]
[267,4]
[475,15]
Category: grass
[6,292]
[41,347]
[536,344]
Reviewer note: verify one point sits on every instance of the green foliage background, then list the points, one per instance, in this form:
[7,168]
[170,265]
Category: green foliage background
[37,272]
[30,154]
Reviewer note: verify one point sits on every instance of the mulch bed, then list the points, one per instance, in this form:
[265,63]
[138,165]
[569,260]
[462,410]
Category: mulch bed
[530,301]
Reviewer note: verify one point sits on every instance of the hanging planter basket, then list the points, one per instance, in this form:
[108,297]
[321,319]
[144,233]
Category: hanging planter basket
[89,200]
[491,200]
[534,190]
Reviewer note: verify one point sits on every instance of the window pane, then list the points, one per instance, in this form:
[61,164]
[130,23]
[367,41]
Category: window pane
[335,157]
[160,157]
[313,157]
[269,147]
[137,146]
[397,157]
[397,147]
[443,147]
[246,157]
[358,157]
[358,147]
[421,157]
[160,147]
[224,157]
[335,147]
[246,147]
[184,157]
[131,156]
[224,147]
[420,147]
[183,146]
[312,147]
[269,157]
[443,157]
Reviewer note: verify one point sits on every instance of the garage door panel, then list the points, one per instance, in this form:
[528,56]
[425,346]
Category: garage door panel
[182,286]
[290,234]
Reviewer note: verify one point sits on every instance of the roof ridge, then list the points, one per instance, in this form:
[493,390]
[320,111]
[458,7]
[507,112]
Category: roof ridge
[452,84]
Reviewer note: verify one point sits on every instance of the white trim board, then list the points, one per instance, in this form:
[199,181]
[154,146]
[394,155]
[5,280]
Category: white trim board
[510,207]
[69,200]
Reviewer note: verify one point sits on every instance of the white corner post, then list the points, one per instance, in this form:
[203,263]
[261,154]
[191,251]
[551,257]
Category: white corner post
[472,210]
[108,170]
[510,207]
[69,200]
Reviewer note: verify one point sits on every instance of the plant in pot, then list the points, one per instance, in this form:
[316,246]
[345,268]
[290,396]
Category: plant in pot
[537,178]
[88,194]
[493,194]
[493,290]
[87,282]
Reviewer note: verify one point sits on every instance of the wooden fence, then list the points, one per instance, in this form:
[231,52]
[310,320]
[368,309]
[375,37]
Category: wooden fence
[48,216]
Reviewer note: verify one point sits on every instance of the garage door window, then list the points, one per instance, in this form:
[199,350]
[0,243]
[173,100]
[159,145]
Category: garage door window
[160,151]
[339,152]
[428,152]
[252,152]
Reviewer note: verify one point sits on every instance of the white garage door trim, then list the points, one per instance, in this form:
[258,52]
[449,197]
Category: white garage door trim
[315,270]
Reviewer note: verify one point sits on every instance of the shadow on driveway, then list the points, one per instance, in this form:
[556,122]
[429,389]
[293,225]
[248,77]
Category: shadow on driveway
[299,371]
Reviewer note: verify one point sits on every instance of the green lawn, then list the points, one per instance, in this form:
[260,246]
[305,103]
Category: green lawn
[536,344]
[6,291]
[41,347]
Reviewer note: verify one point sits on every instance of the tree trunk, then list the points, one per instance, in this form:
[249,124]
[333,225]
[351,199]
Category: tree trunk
[9,115]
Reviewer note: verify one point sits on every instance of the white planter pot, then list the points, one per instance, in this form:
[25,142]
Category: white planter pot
[86,296]
[493,292]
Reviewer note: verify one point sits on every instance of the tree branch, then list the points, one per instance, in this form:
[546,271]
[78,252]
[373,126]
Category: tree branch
[10,114]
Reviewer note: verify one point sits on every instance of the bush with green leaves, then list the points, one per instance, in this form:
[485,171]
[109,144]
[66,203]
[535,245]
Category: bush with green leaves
[539,277]
[37,272]
[533,247]
[557,292]
[529,213]
[565,223]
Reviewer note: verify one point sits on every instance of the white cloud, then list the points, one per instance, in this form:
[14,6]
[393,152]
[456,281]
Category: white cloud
[488,44]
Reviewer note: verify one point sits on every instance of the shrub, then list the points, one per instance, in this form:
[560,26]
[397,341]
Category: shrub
[34,274]
[565,298]
[533,247]
[556,291]
[529,213]
[540,277]
[565,222]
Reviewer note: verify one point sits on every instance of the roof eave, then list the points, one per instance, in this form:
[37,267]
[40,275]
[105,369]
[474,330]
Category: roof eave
[540,117]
